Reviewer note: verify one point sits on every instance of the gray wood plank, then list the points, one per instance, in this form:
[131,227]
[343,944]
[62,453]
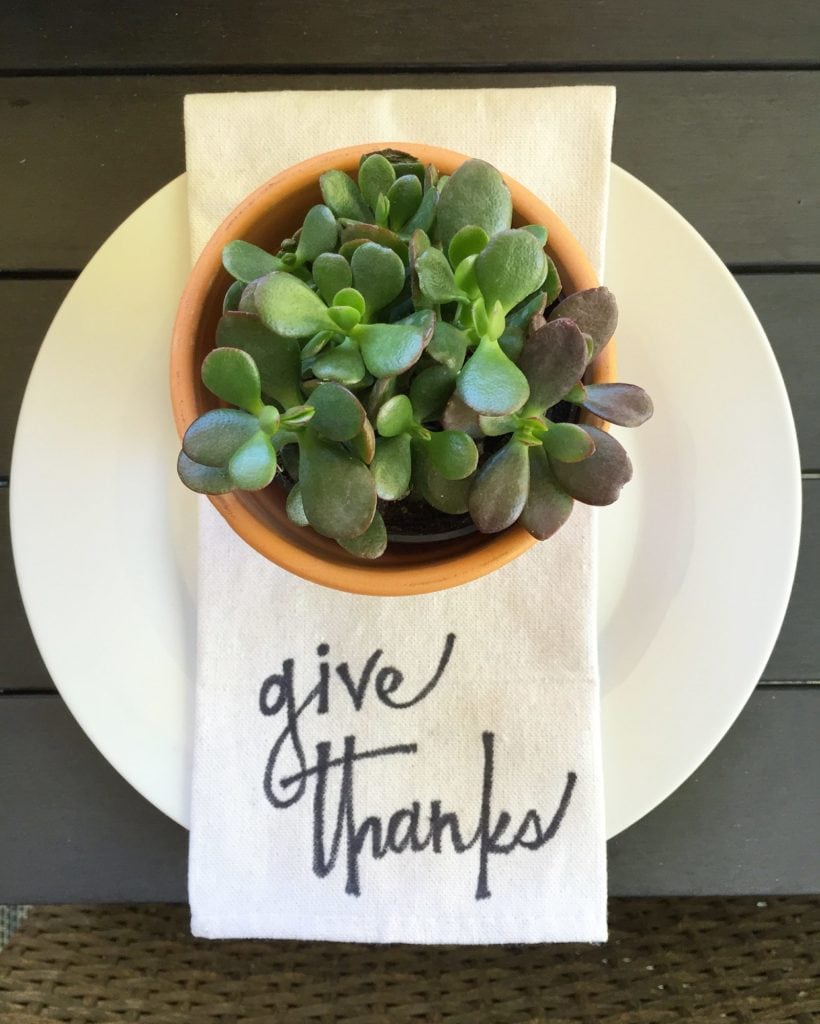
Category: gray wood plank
[71,830]
[789,309]
[747,821]
[28,309]
[796,655]
[21,667]
[204,34]
[734,152]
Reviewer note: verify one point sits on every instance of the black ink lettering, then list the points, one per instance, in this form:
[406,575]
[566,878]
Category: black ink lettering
[439,821]
[387,681]
[402,830]
[357,692]
[284,688]
[409,819]
[324,681]
[323,862]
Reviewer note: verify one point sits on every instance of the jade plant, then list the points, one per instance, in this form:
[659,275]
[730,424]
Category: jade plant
[409,346]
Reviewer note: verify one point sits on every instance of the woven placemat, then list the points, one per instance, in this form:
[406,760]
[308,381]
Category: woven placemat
[710,960]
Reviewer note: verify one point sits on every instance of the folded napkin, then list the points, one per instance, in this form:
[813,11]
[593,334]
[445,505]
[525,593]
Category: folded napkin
[419,769]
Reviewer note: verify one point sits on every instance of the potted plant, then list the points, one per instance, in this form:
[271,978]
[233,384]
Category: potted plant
[408,348]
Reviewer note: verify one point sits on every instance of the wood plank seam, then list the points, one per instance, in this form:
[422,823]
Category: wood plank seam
[407,67]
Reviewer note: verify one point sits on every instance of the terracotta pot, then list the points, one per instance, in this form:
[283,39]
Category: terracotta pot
[270,214]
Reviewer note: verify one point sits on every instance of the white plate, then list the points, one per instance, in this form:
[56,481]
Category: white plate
[697,558]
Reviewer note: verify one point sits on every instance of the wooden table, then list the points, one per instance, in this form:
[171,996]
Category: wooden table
[718,111]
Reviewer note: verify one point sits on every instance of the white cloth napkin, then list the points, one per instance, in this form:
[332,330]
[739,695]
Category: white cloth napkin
[473,811]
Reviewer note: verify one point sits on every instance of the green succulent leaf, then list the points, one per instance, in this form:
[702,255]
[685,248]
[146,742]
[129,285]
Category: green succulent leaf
[522,314]
[381,391]
[231,375]
[338,491]
[436,278]
[338,414]
[395,417]
[296,419]
[500,487]
[346,249]
[294,507]
[430,391]
[270,419]
[331,273]
[247,262]
[246,300]
[363,444]
[372,543]
[419,243]
[624,404]
[376,175]
[548,506]
[390,349]
[314,345]
[232,297]
[458,415]
[467,241]
[382,211]
[530,429]
[552,359]
[319,234]
[353,232]
[598,479]
[448,346]
[490,383]
[510,267]
[474,195]
[341,193]
[568,442]
[446,495]
[277,358]
[345,317]
[289,307]
[552,285]
[539,233]
[497,426]
[424,216]
[453,453]
[213,438]
[378,273]
[595,311]
[519,322]
[343,363]
[253,466]
[487,323]
[203,479]
[350,297]
[403,163]
[404,198]
[391,467]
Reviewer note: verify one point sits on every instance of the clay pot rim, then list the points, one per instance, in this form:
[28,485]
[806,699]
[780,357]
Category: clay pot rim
[369,578]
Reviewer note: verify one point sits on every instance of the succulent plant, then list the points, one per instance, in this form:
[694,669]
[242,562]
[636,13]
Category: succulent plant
[408,344]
